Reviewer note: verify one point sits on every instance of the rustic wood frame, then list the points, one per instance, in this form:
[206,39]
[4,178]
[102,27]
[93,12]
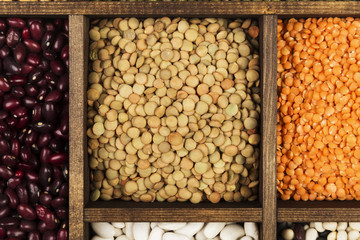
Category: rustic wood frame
[267,210]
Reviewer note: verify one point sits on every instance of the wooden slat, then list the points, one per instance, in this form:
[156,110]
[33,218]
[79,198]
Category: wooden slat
[338,211]
[314,8]
[268,39]
[77,113]
[194,9]
[172,212]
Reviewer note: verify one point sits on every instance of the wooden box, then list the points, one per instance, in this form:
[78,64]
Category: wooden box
[267,211]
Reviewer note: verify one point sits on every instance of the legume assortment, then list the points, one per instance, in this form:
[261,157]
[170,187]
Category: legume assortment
[318,132]
[34,125]
[175,231]
[319,231]
[174,109]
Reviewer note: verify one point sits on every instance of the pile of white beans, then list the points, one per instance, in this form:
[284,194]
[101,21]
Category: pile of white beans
[316,230]
[175,231]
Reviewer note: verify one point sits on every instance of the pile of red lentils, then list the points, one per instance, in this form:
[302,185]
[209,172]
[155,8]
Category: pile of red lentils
[318,127]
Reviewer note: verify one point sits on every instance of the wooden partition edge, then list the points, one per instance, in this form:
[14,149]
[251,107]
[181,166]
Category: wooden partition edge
[77,111]
[268,43]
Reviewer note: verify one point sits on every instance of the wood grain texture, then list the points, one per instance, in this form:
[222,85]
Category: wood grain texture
[177,212]
[77,113]
[268,39]
[338,211]
[143,9]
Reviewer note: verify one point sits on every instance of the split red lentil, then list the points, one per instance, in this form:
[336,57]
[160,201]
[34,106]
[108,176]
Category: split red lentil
[318,130]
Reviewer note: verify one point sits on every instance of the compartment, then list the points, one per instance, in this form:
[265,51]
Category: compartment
[175,230]
[332,210]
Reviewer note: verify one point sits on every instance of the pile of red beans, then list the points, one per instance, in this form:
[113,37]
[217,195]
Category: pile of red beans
[34,125]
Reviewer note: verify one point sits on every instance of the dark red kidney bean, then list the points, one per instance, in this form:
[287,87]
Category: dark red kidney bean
[3,25]
[44,139]
[49,26]
[11,103]
[14,200]
[34,192]
[4,52]
[43,127]
[25,166]
[62,212]
[4,200]
[44,64]
[4,147]
[22,193]
[10,161]
[18,91]
[3,115]
[15,234]
[58,173]
[15,147]
[31,138]
[65,53]
[16,22]
[57,67]
[37,30]
[17,80]
[19,174]
[27,225]
[26,211]
[57,145]
[4,212]
[34,236]
[49,54]
[13,37]
[42,227]
[23,122]
[9,222]
[42,93]
[2,232]
[26,68]
[19,112]
[10,133]
[42,83]
[58,202]
[59,134]
[49,235]
[45,175]
[31,90]
[36,113]
[55,186]
[4,84]
[45,155]
[33,59]
[10,66]
[3,126]
[62,234]
[35,75]
[29,102]
[32,176]
[54,96]
[64,124]
[50,220]
[49,112]
[2,40]
[58,158]
[25,153]
[58,42]
[13,182]
[32,45]
[31,20]
[50,77]
[20,53]
[41,211]
[25,33]
[45,199]
[5,173]
[48,40]
[59,23]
